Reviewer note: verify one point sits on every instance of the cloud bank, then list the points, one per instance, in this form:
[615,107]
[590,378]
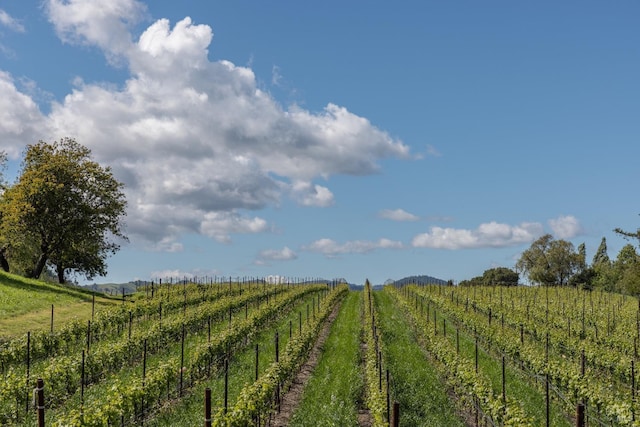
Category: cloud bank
[330,248]
[196,142]
[494,234]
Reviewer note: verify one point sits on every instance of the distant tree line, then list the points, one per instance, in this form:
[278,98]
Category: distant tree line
[551,262]
[62,215]
[420,280]
[500,276]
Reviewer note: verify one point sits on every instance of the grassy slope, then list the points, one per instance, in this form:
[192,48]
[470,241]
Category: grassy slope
[25,304]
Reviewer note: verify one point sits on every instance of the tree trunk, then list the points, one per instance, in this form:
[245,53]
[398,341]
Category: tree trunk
[60,271]
[37,269]
[4,263]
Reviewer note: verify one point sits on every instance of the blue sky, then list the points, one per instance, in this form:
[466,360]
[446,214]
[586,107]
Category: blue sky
[337,139]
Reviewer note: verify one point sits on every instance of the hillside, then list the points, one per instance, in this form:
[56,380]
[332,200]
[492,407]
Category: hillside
[25,304]
[116,288]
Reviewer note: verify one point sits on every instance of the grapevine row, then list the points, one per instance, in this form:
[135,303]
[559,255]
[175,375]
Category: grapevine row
[255,401]
[564,373]
[567,341]
[124,400]
[106,323]
[62,374]
[462,375]
[376,396]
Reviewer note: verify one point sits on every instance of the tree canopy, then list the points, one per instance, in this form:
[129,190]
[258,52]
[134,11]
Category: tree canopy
[65,210]
[500,276]
[628,234]
[550,262]
[601,256]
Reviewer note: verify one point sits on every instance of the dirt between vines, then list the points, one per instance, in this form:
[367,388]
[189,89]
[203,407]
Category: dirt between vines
[291,399]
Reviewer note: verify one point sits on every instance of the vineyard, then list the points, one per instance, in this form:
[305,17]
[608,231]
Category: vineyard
[240,353]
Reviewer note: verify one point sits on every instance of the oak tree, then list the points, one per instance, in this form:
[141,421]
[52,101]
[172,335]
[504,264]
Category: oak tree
[65,208]
[550,262]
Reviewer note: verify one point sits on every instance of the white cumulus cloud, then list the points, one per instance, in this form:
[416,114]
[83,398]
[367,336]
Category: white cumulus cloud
[104,24]
[284,254]
[308,194]
[219,225]
[20,118]
[331,248]
[196,142]
[565,227]
[492,234]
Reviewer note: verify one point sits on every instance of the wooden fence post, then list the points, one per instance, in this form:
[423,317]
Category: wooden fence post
[82,382]
[40,401]
[547,401]
[207,407]
[226,385]
[388,396]
[580,415]
[181,362]
[395,418]
[28,364]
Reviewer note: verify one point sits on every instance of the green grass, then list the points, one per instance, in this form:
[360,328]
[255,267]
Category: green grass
[415,382]
[331,395]
[25,304]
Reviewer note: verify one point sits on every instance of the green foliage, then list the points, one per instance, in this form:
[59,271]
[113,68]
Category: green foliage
[470,385]
[417,382]
[584,278]
[376,397]
[628,234]
[123,397]
[255,400]
[550,262]
[626,269]
[601,256]
[474,281]
[112,355]
[622,275]
[499,276]
[65,209]
[573,322]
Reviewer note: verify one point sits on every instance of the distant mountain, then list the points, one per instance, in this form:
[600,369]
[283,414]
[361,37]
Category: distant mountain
[116,288]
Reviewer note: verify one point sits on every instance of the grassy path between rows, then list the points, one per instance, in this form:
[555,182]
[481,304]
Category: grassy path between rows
[332,394]
[415,383]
